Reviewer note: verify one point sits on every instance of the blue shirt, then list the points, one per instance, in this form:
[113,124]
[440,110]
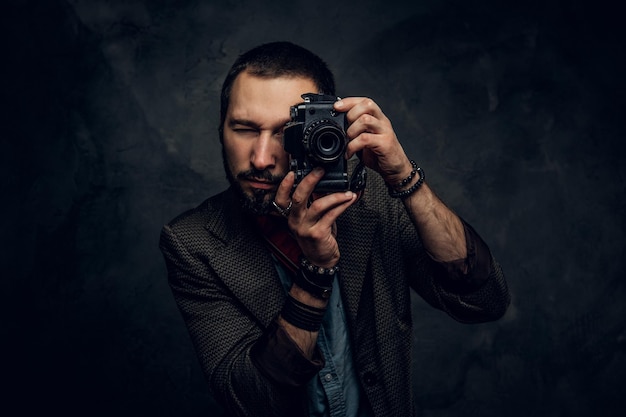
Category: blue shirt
[335,391]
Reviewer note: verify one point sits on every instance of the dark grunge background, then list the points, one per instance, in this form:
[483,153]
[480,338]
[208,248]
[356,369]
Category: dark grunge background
[515,110]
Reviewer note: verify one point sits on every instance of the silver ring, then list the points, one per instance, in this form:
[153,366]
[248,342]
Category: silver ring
[283,212]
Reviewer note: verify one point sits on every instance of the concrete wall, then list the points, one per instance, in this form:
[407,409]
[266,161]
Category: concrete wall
[515,111]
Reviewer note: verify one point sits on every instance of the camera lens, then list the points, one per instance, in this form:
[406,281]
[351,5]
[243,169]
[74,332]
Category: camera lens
[326,141]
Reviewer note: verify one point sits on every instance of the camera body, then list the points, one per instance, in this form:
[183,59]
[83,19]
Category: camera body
[316,136]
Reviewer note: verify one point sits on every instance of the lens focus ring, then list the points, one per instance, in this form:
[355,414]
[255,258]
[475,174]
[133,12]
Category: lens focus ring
[324,140]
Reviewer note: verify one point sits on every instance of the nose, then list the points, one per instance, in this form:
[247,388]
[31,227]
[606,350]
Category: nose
[264,152]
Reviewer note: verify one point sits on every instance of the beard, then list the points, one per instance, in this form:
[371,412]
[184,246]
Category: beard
[258,201]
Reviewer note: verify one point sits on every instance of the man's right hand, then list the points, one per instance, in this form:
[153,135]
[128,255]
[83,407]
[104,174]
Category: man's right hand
[312,218]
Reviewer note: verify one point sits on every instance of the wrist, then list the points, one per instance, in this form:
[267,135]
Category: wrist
[399,176]
[314,270]
[306,297]
[315,280]
[302,315]
[408,185]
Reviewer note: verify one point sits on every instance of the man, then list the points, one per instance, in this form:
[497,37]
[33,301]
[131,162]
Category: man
[298,302]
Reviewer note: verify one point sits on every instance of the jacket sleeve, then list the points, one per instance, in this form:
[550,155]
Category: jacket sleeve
[224,335]
[478,295]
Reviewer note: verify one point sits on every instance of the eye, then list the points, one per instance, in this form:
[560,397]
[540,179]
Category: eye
[245,131]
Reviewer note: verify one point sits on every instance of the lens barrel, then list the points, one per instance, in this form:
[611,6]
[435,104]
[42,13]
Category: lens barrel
[324,141]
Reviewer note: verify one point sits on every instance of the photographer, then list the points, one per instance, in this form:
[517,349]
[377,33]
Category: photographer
[297,298]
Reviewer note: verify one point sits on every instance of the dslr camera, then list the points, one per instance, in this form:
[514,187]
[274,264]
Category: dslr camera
[316,136]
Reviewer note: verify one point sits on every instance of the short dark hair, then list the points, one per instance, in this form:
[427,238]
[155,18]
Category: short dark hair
[277,59]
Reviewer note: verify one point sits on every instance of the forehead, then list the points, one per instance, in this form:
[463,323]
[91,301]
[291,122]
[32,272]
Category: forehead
[259,98]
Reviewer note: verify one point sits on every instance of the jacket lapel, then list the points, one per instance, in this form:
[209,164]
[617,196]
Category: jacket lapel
[356,230]
[250,275]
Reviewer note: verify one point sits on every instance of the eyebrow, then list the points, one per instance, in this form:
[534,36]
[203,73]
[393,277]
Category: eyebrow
[250,123]
[243,122]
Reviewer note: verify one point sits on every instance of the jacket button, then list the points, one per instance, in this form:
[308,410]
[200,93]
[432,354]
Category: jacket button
[369,378]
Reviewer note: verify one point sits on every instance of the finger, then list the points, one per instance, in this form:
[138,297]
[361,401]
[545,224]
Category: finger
[327,209]
[348,103]
[367,117]
[377,142]
[320,229]
[283,192]
[355,107]
[306,186]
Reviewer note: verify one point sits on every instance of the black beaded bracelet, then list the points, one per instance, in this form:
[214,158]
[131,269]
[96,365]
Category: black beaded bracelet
[413,188]
[301,315]
[408,179]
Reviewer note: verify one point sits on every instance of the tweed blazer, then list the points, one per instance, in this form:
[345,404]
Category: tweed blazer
[226,286]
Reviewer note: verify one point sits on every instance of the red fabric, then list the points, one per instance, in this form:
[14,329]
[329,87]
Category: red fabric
[280,241]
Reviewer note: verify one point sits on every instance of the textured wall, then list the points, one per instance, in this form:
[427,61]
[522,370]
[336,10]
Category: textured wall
[514,111]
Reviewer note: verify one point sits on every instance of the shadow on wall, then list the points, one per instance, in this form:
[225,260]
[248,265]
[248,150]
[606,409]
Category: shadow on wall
[93,328]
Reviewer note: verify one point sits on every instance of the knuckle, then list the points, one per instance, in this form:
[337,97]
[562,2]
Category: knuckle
[316,234]
[367,119]
[365,138]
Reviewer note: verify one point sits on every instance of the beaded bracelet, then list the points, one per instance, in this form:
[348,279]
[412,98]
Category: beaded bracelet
[301,315]
[408,179]
[414,187]
[305,264]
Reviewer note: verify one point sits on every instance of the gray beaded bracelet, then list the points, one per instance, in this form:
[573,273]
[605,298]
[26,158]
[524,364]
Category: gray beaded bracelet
[315,280]
[305,264]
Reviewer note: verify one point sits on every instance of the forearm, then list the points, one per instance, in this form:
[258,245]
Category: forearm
[459,275]
[288,352]
[228,340]
[244,389]
[439,228]
[470,289]
[249,370]
[305,340]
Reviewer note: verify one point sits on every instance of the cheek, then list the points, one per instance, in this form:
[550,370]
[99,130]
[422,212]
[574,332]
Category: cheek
[235,153]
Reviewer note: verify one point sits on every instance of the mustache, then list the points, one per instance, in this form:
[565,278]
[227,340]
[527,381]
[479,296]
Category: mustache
[260,174]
